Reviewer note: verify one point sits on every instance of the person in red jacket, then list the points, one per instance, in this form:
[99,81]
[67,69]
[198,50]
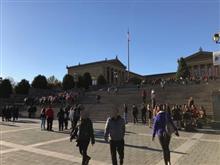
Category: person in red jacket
[49,116]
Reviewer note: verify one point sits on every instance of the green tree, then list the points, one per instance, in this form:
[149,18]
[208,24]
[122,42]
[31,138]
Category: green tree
[40,82]
[87,80]
[5,88]
[183,70]
[80,82]
[68,82]
[101,80]
[22,87]
[13,83]
[53,82]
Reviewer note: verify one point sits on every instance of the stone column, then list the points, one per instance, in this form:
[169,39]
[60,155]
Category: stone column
[192,71]
[104,72]
[213,71]
[111,75]
[199,69]
[115,78]
[218,67]
[119,77]
[108,75]
[216,71]
[123,77]
[206,70]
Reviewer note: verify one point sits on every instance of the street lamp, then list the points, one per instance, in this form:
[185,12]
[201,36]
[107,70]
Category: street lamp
[216,38]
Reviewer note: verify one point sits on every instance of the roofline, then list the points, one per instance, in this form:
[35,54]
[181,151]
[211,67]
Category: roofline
[97,62]
[192,55]
[135,73]
[160,74]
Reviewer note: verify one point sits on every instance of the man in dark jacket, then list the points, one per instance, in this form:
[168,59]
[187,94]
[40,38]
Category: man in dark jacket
[135,113]
[60,117]
[84,133]
[115,129]
[66,116]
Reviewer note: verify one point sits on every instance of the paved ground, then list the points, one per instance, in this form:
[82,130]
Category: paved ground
[23,143]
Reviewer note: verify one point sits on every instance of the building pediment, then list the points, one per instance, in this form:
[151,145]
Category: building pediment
[115,62]
[199,56]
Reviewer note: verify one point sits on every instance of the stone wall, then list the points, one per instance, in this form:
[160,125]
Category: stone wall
[216,105]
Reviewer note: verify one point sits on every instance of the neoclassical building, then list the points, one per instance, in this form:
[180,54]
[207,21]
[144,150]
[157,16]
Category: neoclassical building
[201,64]
[113,70]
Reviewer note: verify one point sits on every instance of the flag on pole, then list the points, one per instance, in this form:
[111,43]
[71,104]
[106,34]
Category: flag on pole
[216,58]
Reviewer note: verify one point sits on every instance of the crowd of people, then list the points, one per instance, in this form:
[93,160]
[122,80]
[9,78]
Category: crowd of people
[171,81]
[187,116]
[64,115]
[164,118]
[59,98]
[10,113]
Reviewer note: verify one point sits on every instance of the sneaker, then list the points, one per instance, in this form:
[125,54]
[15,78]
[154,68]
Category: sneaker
[87,160]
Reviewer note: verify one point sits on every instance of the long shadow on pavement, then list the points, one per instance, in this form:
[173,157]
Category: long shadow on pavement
[143,147]
[8,124]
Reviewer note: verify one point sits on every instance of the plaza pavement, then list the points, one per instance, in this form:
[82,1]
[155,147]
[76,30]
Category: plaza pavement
[23,143]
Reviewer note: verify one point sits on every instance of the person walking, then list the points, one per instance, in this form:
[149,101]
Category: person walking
[150,115]
[176,114]
[125,113]
[115,131]
[143,113]
[144,95]
[50,117]
[66,117]
[135,113]
[163,126]
[13,113]
[4,113]
[153,99]
[43,118]
[16,112]
[84,133]
[60,117]
[74,116]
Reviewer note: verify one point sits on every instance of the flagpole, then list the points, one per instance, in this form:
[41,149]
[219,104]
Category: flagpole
[128,56]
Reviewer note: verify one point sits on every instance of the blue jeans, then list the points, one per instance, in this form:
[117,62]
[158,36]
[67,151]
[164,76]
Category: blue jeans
[126,118]
[43,123]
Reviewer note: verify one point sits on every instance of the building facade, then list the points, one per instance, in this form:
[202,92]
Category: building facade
[113,70]
[201,65]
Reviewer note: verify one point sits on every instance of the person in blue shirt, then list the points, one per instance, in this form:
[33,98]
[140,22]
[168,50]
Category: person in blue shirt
[161,121]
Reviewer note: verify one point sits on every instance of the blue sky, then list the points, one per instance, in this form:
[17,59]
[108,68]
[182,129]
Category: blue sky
[43,36]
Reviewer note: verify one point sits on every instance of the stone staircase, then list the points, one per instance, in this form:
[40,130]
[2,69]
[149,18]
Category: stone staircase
[172,94]
[176,94]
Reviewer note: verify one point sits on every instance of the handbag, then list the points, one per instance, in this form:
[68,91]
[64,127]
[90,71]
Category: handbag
[169,127]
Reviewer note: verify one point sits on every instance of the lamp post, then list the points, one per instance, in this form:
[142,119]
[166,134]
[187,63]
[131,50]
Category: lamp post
[216,38]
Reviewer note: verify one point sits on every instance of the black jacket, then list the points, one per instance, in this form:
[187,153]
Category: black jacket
[84,131]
